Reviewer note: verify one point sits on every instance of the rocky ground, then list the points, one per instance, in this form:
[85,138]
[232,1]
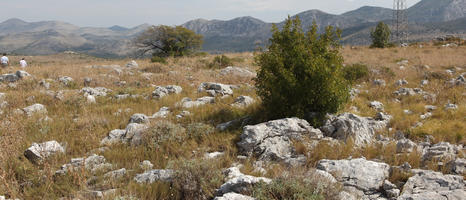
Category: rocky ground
[77,127]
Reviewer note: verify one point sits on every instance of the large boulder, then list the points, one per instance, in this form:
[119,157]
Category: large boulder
[160,91]
[36,153]
[165,175]
[350,126]
[238,182]
[273,140]
[361,174]
[427,184]
[215,89]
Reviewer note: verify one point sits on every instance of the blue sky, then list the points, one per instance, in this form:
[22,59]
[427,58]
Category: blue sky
[130,13]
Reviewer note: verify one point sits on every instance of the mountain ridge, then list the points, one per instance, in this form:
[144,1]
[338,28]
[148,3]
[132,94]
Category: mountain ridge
[238,34]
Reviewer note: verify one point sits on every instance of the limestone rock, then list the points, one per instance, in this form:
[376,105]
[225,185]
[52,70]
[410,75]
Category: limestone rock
[237,71]
[65,80]
[238,182]
[98,91]
[139,118]
[160,92]
[36,153]
[243,101]
[433,185]
[405,146]
[215,89]
[132,64]
[189,103]
[273,140]
[440,151]
[366,176]
[377,105]
[35,109]
[233,196]
[458,166]
[162,113]
[350,126]
[165,175]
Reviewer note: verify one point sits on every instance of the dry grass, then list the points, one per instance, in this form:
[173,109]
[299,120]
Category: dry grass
[82,126]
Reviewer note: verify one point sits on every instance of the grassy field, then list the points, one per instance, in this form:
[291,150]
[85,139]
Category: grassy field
[81,126]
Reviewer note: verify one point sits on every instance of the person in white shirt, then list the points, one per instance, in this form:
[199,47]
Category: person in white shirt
[23,63]
[4,60]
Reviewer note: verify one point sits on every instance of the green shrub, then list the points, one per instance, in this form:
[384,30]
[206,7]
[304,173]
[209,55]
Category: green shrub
[301,72]
[220,62]
[197,179]
[158,59]
[381,36]
[356,72]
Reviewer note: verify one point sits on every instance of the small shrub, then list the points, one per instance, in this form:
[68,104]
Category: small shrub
[387,72]
[295,187]
[158,59]
[356,72]
[197,179]
[198,131]
[163,131]
[220,62]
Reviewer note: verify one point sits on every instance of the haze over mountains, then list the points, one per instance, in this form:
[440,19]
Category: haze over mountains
[429,18]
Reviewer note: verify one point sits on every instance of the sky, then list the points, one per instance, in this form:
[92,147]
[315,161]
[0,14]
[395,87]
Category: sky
[130,13]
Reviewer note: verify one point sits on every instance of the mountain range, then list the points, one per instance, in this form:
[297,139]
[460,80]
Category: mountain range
[428,19]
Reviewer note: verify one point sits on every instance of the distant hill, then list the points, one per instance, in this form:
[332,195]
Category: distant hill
[49,37]
[428,19]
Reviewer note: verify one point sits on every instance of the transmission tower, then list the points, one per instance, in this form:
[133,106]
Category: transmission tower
[400,21]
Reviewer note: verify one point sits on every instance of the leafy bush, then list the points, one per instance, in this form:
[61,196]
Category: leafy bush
[220,62]
[301,72]
[356,72]
[381,36]
[158,59]
[197,179]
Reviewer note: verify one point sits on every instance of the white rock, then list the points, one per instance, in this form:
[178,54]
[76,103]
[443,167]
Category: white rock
[433,185]
[35,109]
[38,152]
[215,89]
[148,177]
[364,175]
[405,146]
[273,140]
[243,101]
[132,64]
[237,71]
[377,105]
[234,196]
[139,118]
[90,99]
[350,126]
[239,182]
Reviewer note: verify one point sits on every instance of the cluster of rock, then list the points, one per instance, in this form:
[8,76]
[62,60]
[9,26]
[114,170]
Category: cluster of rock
[215,89]
[160,91]
[11,78]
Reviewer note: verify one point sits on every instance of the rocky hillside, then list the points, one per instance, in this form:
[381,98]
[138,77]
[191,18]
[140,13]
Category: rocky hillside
[79,127]
[355,24]
[430,18]
[50,37]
